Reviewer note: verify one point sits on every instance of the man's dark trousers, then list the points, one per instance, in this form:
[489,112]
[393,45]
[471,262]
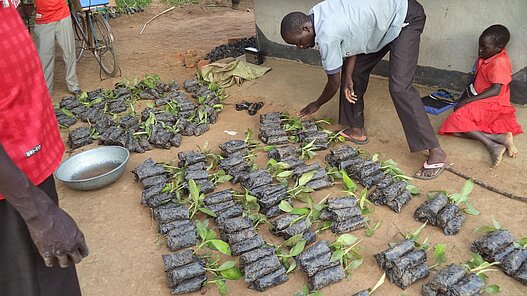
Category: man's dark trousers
[404,53]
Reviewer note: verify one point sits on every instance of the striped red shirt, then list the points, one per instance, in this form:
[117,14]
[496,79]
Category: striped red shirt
[28,127]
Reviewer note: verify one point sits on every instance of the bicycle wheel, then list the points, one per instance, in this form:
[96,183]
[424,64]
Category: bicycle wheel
[79,27]
[104,42]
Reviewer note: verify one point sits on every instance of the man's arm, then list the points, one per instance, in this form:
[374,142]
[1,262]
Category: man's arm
[53,231]
[332,85]
[492,91]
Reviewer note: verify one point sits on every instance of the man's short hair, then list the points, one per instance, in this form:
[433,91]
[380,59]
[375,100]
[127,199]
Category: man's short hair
[293,22]
[499,34]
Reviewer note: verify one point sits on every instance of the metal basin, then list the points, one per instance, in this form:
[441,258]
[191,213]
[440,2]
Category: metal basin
[93,169]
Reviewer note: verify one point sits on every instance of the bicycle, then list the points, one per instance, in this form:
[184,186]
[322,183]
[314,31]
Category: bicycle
[93,33]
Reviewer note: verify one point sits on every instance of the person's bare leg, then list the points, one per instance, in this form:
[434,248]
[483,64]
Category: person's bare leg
[357,133]
[506,140]
[496,150]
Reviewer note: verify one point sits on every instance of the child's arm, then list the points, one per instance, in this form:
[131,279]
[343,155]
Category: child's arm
[492,91]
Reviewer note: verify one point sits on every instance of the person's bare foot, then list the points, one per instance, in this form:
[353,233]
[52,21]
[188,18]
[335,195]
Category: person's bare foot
[496,154]
[506,140]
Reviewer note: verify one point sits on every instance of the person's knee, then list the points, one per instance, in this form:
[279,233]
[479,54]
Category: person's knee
[397,90]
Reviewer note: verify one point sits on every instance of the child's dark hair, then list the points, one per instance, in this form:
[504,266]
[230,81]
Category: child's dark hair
[292,23]
[498,33]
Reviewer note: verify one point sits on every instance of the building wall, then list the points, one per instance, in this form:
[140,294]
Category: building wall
[448,44]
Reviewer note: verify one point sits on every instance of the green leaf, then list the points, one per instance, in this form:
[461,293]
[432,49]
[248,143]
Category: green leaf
[207,211]
[226,265]
[485,228]
[492,289]
[201,229]
[349,185]
[371,231]
[456,198]
[293,240]
[440,253]
[269,148]
[300,211]
[284,174]
[285,206]
[415,235]
[298,248]
[522,242]
[467,187]
[496,224]
[222,246]
[412,189]
[355,264]
[471,210]
[337,255]
[193,189]
[222,287]
[347,239]
[232,274]
[291,267]
[306,177]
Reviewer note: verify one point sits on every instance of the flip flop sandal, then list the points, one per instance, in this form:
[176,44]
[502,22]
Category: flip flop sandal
[351,139]
[255,107]
[244,105]
[440,165]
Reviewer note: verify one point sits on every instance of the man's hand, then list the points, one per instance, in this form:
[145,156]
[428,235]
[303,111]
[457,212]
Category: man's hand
[309,109]
[57,237]
[349,92]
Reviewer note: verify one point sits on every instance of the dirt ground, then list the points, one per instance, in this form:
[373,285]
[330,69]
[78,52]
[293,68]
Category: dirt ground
[125,256]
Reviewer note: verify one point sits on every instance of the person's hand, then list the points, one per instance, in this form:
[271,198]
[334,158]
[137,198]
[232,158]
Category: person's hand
[57,237]
[349,93]
[309,109]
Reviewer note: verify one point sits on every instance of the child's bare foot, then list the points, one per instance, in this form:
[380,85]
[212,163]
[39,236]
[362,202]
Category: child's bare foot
[496,154]
[506,140]
[509,144]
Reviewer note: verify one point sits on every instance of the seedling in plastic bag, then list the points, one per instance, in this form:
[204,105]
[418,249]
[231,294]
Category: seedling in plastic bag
[195,199]
[480,267]
[345,249]
[296,245]
[489,228]
[209,240]
[300,190]
[462,197]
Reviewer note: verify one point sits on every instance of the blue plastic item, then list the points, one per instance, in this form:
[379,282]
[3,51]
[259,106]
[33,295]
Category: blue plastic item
[440,101]
[90,3]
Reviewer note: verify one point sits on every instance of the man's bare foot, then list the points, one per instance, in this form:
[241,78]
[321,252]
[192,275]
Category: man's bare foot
[496,153]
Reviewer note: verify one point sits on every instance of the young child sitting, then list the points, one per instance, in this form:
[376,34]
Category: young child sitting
[484,111]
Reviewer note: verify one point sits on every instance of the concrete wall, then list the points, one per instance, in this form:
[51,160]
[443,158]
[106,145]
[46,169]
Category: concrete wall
[448,44]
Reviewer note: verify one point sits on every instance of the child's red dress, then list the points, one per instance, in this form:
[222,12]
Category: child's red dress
[494,115]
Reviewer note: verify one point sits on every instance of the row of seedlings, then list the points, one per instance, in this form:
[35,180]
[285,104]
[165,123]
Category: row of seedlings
[368,173]
[454,280]
[259,263]
[316,262]
[234,160]
[344,213]
[271,131]
[309,134]
[173,218]
[162,126]
[438,211]
[185,270]
[195,165]
[403,263]
[499,246]
[289,156]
